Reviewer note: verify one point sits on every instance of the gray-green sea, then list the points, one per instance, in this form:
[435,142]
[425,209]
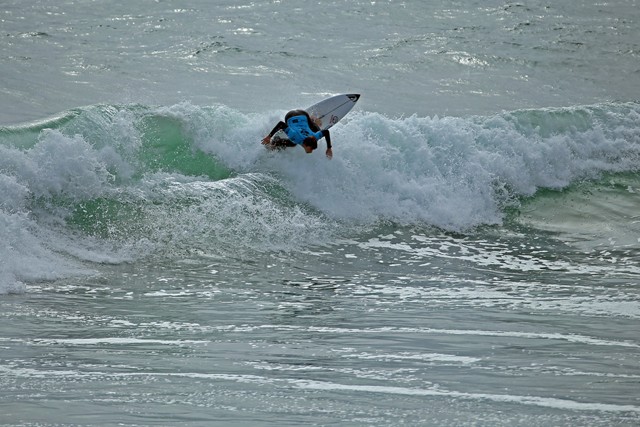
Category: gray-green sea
[469,257]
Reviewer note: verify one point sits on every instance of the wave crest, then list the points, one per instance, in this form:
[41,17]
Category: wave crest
[111,183]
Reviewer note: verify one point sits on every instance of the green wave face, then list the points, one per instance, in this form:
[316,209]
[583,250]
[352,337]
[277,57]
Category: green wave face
[589,214]
[167,147]
[147,139]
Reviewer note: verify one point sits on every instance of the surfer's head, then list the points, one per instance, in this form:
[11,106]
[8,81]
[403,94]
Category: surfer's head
[309,144]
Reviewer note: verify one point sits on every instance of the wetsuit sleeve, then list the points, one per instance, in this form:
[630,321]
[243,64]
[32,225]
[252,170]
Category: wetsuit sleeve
[327,137]
[279,126]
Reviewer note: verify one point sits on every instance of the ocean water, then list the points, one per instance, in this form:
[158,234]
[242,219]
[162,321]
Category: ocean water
[470,255]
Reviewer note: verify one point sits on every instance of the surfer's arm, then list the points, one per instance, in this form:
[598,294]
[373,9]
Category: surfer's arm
[327,138]
[279,126]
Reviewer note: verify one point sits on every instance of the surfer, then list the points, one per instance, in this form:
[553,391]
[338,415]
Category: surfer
[302,130]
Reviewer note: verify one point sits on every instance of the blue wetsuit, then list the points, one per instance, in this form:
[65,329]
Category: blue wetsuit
[298,126]
[298,129]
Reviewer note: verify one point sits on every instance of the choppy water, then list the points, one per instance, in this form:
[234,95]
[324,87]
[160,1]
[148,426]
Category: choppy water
[470,256]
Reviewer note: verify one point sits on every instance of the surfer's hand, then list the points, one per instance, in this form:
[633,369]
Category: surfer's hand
[266,140]
[329,153]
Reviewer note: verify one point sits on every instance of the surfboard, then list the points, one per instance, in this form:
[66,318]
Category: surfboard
[331,110]
[327,112]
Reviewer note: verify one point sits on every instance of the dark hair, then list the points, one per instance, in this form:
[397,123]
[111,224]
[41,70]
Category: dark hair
[310,142]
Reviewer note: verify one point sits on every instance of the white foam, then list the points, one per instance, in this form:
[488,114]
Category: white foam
[547,402]
[36,183]
[495,255]
[422,357]
[435,391]
[573,338]
[25,256]
[58,165]
[113,341]
[454,173]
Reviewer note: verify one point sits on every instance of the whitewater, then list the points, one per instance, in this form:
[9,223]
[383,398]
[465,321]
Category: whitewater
[470,255]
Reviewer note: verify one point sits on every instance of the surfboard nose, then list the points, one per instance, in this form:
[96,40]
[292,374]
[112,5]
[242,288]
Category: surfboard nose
[354,96]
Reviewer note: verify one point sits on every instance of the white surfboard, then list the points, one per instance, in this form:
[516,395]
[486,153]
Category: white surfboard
[331,110]
[325,113]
